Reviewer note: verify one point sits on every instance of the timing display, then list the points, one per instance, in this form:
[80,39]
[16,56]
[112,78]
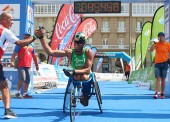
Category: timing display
[97,7]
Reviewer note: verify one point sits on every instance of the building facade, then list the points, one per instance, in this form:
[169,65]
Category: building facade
[116,32]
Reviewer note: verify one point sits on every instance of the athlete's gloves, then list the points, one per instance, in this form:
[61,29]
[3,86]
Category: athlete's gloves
[69,72]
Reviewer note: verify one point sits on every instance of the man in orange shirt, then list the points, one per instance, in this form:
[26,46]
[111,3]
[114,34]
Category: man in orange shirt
[162,50]
[127,71]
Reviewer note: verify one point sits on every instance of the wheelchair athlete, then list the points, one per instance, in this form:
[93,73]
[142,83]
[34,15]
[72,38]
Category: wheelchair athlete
[80,59]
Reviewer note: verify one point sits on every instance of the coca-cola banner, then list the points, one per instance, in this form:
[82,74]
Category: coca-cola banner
[66,19]
[66,42]
[88,26]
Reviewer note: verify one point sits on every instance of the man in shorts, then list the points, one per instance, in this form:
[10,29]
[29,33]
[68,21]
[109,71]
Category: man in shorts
[162,50]
[6,36]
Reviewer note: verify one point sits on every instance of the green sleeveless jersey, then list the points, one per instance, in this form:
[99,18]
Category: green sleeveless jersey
[78,61]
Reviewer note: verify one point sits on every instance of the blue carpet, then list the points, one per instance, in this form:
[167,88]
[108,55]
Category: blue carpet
[122,102]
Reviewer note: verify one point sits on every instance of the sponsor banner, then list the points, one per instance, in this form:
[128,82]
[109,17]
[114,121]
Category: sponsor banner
[138,52]
[109,76]
[122,55]
[145,78]
[45,74]
[12,75]
[66,42]
[157,26]
[13,9]
[145,40]
[167,34]
[61,76]
[66,19]
[99,64]
[21,25]
[88,26]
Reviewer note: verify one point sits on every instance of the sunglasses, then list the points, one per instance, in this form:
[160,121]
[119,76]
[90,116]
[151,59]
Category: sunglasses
[78,42]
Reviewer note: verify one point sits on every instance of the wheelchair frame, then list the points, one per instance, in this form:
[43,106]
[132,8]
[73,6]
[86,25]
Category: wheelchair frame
[73,93]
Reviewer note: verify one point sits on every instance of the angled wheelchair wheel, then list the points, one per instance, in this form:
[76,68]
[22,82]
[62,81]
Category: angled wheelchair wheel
[73,102]
[66,103]
[98,95]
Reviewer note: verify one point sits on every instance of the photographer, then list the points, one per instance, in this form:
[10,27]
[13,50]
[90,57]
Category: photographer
[162,50]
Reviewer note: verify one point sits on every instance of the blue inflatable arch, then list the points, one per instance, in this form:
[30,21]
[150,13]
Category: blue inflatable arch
[122,55]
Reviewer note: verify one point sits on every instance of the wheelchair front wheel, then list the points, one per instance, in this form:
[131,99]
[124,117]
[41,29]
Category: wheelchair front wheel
[66,102]
[98,95]
[73,101]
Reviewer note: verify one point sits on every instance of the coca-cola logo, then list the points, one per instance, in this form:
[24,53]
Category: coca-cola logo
[64,24]
[89,28]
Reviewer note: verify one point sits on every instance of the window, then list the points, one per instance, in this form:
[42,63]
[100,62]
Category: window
[139,26]
[138,9]
[49,8]
[53,9]
[121,25]
[105,24]
[121,41]
[105,41]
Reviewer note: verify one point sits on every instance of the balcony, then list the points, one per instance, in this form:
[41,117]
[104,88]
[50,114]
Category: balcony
[46,10]
[121,30]
[105,30]
[115,47]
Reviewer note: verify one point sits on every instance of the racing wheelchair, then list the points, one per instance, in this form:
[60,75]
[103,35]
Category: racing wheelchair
[73,94]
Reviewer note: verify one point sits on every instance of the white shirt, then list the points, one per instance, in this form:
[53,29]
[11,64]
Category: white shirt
[8,36]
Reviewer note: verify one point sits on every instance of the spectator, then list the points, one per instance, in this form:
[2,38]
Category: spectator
[127,71]
[25,54]
[162,50]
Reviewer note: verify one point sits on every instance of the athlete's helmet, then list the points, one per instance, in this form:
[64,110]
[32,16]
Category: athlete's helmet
[80,37]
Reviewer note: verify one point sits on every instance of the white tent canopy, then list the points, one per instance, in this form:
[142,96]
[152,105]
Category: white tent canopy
[72,1]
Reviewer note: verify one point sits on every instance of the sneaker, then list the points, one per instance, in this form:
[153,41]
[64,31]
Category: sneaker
[18,95]
[9,114]
[27,96]
[155,96]
[162,96]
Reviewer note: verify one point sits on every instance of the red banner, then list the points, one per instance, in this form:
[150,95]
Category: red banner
[88,26]
[64,22]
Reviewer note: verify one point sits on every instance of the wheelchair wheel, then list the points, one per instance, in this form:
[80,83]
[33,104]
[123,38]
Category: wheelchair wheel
[98,95]
[73,102]
[66,103]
